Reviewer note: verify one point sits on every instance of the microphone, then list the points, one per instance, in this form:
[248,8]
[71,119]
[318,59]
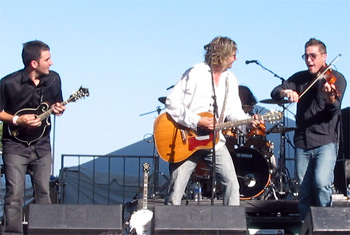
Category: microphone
[251,61]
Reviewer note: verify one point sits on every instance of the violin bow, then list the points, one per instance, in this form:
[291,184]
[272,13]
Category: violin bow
[320,76]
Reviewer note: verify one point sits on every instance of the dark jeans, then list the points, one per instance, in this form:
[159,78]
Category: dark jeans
[16,167]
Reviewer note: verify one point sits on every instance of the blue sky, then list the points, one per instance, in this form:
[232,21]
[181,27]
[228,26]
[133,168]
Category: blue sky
[129,52]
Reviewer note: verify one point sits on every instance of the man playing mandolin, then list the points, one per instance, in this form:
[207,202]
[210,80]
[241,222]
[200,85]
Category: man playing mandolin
[27,89]
[318,125]
[207,87]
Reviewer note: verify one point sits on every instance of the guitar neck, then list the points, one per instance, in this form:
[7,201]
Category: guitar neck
[228,125]
[48,112]
[145,191]
[269,117]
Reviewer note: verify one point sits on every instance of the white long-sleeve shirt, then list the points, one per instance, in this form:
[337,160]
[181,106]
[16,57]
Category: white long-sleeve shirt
[193,94]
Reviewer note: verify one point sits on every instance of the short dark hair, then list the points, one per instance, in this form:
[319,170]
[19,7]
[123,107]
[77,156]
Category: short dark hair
[316,42]
[32,51]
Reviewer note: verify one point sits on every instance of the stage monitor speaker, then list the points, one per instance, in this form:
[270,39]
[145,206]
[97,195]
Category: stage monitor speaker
[341,170]
[345,125]
[75,219]
[327,220]
[197,219]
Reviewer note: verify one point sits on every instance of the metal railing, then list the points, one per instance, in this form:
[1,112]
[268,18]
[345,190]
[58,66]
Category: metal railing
[106,179]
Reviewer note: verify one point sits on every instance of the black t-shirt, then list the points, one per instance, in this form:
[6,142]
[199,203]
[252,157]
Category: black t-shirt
[17,91]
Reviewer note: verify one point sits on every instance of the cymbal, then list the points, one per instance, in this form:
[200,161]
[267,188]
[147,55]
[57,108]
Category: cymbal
[272,101]
[162,99]
[280,130]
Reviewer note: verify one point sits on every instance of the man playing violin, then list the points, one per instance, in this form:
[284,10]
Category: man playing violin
[318,125]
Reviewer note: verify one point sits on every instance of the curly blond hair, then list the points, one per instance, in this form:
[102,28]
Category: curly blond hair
[219,50]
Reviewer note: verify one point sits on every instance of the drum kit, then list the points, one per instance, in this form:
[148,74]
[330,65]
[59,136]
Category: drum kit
[259,175]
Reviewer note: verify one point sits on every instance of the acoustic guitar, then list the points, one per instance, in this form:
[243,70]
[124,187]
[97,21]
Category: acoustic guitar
[176,143]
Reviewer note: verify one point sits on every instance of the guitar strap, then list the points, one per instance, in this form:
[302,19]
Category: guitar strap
[221,119]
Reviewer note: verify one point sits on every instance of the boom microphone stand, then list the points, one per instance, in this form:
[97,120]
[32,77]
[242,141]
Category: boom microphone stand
[281,176]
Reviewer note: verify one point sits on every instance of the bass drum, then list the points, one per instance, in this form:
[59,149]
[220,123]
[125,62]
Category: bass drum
[252,170]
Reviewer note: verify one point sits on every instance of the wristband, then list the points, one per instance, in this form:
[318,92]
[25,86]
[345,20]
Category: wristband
[14,120]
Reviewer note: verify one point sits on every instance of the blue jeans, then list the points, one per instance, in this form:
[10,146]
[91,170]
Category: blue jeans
[225,172]
[16,167]
[315,174]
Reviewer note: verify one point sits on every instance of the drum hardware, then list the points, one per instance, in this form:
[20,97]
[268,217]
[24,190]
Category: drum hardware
[162,99]
[270,192]
[249,180]
[272,101]
[280,129]
[234,137]
[158,110]
[157,188]
[281,177]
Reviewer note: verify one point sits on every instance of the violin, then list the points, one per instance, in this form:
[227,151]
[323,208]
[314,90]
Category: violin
[331,79]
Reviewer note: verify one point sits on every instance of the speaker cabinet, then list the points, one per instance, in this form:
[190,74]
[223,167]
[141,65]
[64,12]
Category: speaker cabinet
[341,170]
[327,220]
[199,220]
[75,219]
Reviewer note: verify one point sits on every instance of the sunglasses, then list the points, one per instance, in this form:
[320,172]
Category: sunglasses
[313,56]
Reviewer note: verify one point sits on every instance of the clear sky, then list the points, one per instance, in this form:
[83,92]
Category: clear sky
[129,52]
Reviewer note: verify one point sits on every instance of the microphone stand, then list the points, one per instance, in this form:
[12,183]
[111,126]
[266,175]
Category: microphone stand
[213,182]
[275,75]
[281,173]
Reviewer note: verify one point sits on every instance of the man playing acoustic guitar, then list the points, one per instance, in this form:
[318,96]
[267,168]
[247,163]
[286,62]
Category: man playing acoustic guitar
[207,87]
[25,89]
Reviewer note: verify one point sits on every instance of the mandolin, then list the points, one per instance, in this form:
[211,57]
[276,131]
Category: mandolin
[43,111]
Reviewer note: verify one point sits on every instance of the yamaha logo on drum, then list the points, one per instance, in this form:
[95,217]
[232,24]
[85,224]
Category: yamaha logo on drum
[244,155]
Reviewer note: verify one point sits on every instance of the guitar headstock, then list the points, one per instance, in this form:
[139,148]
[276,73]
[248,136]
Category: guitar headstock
[82,92]
[146,167]
[272,116]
